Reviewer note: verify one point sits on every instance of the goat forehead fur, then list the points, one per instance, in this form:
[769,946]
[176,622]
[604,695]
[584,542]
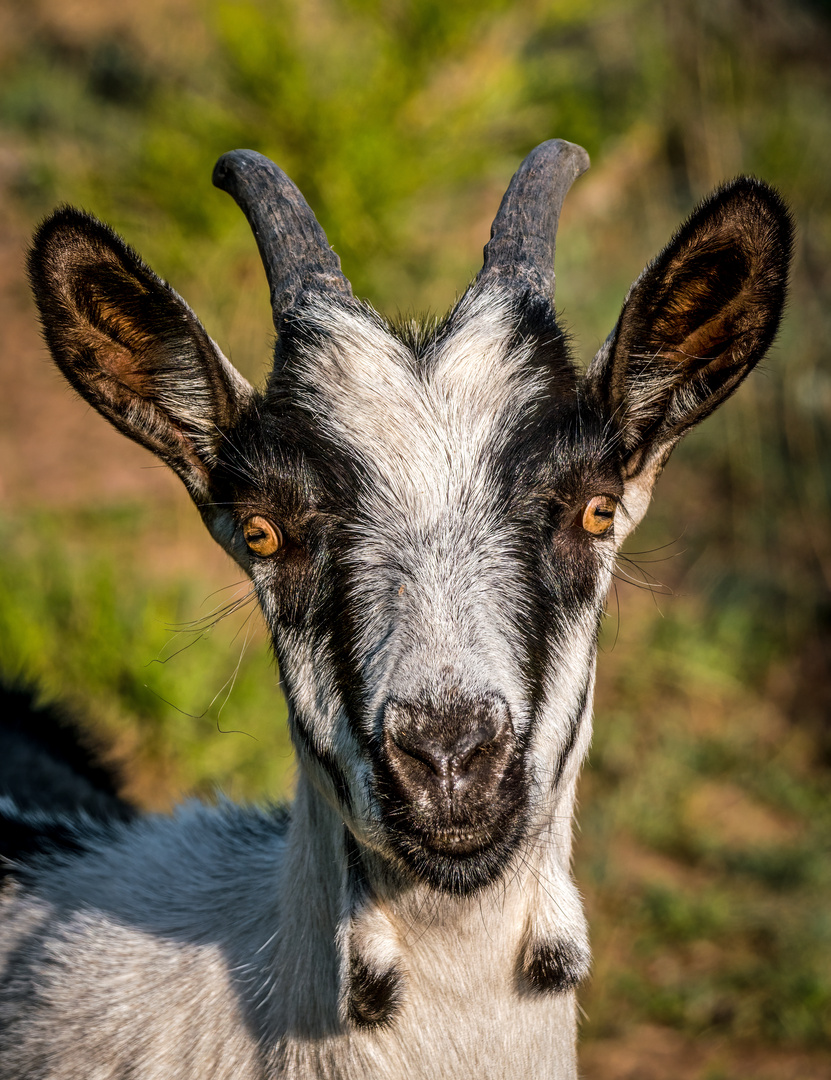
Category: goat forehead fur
[423,414]
[422,426]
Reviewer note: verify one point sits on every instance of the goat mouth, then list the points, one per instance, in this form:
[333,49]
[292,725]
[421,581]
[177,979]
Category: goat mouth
[456,841]
[458,860]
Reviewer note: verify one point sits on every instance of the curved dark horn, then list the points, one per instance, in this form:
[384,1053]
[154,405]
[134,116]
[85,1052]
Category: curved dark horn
[520,252]
[294,249]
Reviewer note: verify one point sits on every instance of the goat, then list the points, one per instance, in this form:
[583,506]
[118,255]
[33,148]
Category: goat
[429,514]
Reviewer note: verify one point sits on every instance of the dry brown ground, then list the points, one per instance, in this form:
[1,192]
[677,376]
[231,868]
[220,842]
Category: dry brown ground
[656,1053]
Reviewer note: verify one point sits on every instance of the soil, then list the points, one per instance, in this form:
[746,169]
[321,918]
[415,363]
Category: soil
[649,1052]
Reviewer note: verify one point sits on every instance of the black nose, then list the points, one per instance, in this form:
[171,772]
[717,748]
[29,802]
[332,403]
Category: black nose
[444,754]
[434,742]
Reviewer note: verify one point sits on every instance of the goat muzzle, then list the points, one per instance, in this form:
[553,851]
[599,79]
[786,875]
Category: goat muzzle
[451,775]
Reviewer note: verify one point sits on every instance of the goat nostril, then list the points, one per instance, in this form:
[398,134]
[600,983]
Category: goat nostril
[461,762]
[443,749]
[481,741]
[425,751]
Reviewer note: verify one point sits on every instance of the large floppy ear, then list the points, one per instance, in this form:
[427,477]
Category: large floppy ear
[132,347]
[694,324]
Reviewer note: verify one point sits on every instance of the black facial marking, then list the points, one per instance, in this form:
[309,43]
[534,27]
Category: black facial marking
[324,759]
[334,479]
[554,967]
[342,631]
[358,883]
[573,729]
[557,460]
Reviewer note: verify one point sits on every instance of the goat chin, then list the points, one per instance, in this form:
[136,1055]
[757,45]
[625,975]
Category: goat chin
[429,515]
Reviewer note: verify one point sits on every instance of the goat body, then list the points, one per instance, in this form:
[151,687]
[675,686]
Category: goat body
[429,516]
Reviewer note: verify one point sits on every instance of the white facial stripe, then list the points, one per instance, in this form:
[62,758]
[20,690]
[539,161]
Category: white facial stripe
[427,523]
[424,437]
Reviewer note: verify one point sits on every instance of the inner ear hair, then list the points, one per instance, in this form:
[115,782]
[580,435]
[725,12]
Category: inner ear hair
[698,319]
[131,346]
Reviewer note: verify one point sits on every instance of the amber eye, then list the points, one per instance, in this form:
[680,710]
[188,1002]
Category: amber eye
[262,537]
[598,515]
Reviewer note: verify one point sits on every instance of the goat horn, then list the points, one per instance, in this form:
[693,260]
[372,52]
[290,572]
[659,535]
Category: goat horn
[520,252]
[294,249]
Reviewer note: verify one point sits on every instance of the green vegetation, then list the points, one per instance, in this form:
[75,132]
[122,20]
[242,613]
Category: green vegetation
[704,847]
[705,820]
[167,656]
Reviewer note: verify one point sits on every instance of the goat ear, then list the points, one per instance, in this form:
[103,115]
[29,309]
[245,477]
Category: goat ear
[132,347]
[695,323]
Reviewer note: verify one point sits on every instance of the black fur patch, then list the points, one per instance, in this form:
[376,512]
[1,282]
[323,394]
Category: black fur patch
[574,727]
[374,997]
[555,967]
[20,840]
[48,763]
[52,773]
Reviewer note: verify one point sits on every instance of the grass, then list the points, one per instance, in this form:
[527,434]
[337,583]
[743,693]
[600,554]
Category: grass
[188,696]
[704,846]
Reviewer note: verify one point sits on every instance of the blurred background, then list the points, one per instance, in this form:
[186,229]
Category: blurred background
[705,821]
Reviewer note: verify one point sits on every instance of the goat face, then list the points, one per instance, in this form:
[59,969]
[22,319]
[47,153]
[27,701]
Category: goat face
[429,514]
[434,572]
